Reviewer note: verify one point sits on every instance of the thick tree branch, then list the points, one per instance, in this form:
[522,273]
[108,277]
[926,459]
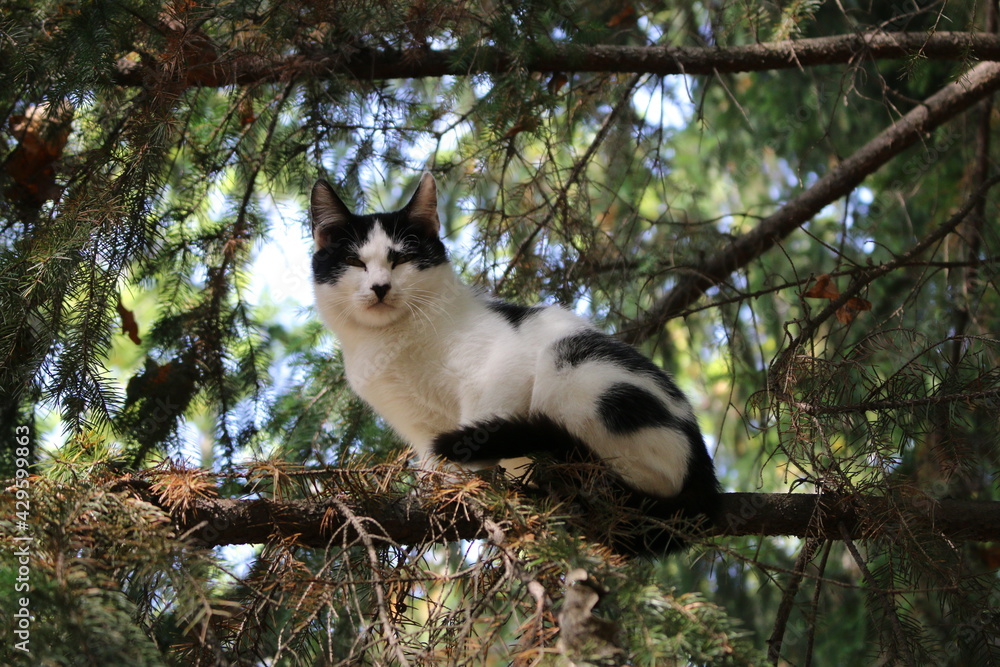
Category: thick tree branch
[412,519]
[366,64]
[951,100]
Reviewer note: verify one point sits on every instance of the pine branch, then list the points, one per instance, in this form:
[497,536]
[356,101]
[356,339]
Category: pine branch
[365,64]
[414,519]
[791,589]
[940,107]
[779,367]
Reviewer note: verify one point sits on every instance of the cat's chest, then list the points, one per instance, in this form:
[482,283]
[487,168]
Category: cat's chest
[406,383]
[392,376]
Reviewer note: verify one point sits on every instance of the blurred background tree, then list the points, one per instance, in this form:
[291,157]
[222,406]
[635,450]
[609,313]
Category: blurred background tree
[154,311]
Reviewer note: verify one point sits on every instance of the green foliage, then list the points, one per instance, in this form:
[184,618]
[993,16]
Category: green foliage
[102,568]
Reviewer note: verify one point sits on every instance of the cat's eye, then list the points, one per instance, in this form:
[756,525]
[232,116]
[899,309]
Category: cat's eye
[402,258]
[354,260]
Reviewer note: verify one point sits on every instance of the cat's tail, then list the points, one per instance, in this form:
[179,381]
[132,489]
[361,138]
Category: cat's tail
[487,442]
[631,521]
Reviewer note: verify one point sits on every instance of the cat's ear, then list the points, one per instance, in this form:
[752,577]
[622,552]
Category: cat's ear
[327,212]
[423,207]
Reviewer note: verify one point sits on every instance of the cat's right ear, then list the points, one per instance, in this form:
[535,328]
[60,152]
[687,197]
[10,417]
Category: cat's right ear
[327,212]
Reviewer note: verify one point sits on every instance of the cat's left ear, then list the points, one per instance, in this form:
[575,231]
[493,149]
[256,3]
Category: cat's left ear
[423,207]
[327,212]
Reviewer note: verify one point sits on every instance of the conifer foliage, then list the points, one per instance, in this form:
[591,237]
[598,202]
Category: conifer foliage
[790,206]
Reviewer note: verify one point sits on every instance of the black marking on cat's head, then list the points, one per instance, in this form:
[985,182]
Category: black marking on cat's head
[514,313]
[339,233]
[591,345]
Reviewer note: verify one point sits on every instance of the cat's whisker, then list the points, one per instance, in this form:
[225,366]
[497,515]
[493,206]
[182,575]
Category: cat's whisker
[414,307]
[431,300]
[426,300]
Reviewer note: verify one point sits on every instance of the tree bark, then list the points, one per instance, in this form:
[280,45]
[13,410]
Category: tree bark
[412,519]
[365,64]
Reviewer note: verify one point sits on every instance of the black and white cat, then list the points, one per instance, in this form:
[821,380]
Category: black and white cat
[478,381]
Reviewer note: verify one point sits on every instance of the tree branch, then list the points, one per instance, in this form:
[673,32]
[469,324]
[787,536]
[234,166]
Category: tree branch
[366,64]
[943,105]
[414,519]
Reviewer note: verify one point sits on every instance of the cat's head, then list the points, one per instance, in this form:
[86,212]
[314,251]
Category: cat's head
[377,269]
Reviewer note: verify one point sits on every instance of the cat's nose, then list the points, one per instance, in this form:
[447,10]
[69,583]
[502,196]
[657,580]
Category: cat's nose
[380,291]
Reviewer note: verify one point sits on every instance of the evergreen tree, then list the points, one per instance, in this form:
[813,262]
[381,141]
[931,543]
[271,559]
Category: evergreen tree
[787,205]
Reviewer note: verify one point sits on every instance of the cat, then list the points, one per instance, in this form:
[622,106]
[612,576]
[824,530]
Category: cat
[479,381]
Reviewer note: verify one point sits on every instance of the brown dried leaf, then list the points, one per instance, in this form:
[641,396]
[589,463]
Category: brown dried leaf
[822,289]
[129,325]
[990,555]
[627,14]
[41,133]
[557,82]
[850,310]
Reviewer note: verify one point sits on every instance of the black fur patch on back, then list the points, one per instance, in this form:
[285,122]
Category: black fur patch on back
[626,408]
[590,345]
[328,262]
[514,313]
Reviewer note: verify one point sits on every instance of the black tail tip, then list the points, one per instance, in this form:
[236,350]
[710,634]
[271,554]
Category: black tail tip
[504,438]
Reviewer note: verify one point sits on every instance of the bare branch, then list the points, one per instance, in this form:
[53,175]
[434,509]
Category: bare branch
[885,600]
[365,64]
[935,110]
[774,642]
[413,520]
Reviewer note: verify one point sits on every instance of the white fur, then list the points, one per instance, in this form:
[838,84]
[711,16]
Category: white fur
[433,357]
